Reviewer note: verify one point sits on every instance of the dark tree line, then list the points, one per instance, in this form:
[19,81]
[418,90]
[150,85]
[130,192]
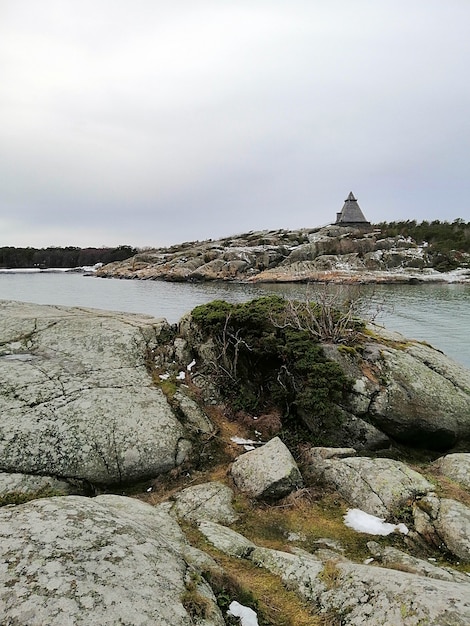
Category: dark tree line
[71,256]
[443,236]
[447,241]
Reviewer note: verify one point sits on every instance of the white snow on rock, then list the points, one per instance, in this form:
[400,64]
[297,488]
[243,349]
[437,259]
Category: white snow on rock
[247,616]
[363,522]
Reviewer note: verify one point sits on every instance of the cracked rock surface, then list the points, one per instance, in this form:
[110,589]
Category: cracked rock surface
[76,398]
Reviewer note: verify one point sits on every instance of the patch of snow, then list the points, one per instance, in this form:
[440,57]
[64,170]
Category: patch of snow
[191,365]
[368,561]
[363,522]
[164,376]
[245,442]
[247,616]
[181,376]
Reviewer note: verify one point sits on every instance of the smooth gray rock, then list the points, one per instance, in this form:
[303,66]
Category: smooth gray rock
[208,501]
[377,486]
[107,560]
[456,467]
[76,397]
[445,524]
[226,540]
[268,472]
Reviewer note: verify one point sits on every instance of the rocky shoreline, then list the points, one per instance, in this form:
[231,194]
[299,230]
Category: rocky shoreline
[335,254]
[191,505]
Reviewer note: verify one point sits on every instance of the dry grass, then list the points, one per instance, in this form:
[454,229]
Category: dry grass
[251,585]
[309,515]
[331,574]
[445,487]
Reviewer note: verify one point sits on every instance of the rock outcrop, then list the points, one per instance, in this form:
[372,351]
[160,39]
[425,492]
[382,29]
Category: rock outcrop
[409,390]
[106,560]
[332,253]
[79,405]
[76,398]
[444,523]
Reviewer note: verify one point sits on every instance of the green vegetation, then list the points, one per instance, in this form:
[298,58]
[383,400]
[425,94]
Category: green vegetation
[269,358]
[447,240]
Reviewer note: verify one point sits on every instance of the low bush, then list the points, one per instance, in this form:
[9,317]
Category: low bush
[268,358]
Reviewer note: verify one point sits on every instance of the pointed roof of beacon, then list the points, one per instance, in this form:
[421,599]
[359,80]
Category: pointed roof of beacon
[351,214]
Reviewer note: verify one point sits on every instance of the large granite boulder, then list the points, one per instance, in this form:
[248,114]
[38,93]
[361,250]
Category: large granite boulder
[409,390]
[107,560]
[268,472]
[76,396]
[363,594]
[377,486]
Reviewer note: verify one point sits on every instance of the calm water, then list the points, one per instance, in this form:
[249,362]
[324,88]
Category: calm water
[438,314]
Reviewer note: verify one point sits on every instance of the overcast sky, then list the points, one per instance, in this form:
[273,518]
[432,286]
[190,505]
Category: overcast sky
[148,123]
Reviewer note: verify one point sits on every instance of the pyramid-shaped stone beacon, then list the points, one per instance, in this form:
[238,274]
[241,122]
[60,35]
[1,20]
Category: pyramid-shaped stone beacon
[351,214]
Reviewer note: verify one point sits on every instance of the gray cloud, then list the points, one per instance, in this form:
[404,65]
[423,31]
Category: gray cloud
[150,123]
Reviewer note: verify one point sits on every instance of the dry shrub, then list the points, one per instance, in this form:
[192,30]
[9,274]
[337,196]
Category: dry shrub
[267,425]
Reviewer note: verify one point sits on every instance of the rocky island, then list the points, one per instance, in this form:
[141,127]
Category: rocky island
[349,251]
[269,457]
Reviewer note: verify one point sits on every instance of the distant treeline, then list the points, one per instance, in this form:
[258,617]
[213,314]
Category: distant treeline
[16,258]
[444,236]
[446,239]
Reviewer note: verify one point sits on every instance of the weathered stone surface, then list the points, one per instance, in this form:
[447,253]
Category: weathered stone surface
[208,501]
[444,523]
[356,432]
[226,540]
[107,560]
[267,472]
[408,390]
[194,417]
[456,467]
[76,398]
[376,486]
[321,454]
[419,405]
[27,485]
[364,594]
[397,559]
